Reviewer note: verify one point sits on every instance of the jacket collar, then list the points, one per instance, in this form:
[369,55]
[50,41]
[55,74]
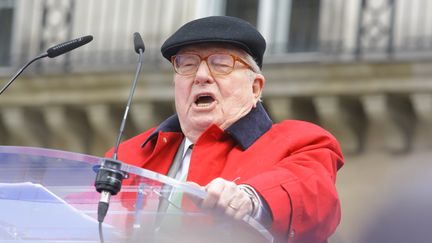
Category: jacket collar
[245,131]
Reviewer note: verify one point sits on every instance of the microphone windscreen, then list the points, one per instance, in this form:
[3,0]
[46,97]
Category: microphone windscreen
[68,46]
[138,42]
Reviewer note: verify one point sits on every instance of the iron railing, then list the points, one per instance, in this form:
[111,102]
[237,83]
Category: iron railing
[337,30]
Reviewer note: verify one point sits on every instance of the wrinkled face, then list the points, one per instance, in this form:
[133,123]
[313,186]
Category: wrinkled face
[205,98]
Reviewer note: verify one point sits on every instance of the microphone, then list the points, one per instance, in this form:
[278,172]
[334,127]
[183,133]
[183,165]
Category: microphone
[109,177]
[138,43]
[52,52]
[68,46]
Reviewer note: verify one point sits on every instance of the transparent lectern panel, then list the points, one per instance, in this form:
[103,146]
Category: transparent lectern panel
[49,196]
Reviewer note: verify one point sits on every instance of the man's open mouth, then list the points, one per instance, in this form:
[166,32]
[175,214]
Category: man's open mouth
[204,100]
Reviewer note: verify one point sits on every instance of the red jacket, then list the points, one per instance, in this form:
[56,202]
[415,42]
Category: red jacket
[292,165]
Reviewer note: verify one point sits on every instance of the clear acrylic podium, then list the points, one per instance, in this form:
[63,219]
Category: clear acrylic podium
[49,196]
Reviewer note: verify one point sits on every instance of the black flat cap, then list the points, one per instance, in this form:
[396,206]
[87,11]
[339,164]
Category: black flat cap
[219,29]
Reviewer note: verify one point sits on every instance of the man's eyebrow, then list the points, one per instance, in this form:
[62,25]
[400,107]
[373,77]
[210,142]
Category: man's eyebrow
[209,53]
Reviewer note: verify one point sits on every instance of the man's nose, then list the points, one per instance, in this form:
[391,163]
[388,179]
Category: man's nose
[203,73]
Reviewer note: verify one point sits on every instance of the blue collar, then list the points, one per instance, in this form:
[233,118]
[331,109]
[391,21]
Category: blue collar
[245,131]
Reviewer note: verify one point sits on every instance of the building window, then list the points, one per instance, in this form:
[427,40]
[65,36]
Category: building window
[287,25]
[244,9]
[303,28]
[6,17]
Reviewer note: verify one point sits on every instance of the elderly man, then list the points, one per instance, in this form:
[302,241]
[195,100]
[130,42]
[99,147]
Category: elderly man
[281,174]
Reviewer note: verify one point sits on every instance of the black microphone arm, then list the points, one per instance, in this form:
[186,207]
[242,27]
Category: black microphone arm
[52,52]
[109,177]
[139,48]
[20,71]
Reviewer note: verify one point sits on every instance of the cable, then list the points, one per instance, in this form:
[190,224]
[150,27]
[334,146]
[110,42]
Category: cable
[101,238]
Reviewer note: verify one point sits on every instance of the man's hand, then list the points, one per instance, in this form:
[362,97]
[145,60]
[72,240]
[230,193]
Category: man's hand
[225,196]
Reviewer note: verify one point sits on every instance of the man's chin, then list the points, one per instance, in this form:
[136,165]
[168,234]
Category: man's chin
[203,122]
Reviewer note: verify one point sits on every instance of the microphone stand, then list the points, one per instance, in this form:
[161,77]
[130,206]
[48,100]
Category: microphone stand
[52,52]
[131,93]
[21,70]
[109,177]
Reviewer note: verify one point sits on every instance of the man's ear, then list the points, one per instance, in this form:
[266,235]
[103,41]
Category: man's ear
[258,86]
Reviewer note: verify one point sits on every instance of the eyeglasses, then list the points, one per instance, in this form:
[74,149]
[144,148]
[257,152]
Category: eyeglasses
[218,63]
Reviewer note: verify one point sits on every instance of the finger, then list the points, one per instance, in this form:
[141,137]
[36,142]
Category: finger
[239,206]
[233,208]
[214,190]
[229,194]
[237,201]
[244,210]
